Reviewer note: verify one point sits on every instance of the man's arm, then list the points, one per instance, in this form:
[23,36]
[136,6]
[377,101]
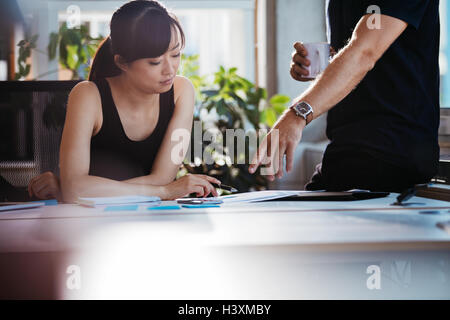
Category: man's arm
[344,73]
[352,63]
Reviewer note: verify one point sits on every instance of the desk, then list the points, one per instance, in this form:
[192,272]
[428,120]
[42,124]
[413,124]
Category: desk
[272,250]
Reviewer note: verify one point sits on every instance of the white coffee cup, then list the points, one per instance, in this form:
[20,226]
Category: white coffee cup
[319,56]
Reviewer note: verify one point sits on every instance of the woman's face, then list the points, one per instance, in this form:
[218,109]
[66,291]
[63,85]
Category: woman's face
[156,75]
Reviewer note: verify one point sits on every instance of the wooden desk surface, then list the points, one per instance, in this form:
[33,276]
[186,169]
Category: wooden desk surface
[322,248]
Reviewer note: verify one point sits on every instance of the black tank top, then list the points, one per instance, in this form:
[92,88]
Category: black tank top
[113,154]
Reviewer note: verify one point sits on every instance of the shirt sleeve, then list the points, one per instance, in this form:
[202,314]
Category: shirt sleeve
[409,11]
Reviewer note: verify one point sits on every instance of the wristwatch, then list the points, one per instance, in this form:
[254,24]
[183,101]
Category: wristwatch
[303,109]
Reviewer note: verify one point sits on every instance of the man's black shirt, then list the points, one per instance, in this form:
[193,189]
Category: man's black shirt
[393,114]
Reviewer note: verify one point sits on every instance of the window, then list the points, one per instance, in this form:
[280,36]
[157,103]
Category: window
[221,32]
[220,37]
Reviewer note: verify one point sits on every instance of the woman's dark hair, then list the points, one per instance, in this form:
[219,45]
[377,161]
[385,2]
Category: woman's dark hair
[139,29]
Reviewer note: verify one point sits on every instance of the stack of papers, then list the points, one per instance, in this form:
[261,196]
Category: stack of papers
[103,201]
[246,197]
[257,196]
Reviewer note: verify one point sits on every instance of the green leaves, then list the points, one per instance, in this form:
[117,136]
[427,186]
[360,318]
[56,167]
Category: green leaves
[230,98]
[189,68]
[221,107]
[279,100]
[269,117]
[52,45]
[76,48]
[71,60]
[238,101]
[277,104]
[25,47]
[239,104]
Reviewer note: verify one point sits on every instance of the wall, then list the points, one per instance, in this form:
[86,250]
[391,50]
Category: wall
[305,21]
[299,20]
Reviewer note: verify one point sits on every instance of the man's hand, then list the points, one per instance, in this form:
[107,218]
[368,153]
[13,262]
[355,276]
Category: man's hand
[282,139]
[299,62]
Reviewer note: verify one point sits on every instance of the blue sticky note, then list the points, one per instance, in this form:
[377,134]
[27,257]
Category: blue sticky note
[132,207]
[193,206]
[164,208]
[50,202]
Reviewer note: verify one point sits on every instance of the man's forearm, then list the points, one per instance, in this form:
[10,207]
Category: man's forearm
[344,73]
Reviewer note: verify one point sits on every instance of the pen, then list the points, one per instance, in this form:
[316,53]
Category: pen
[199,201]
[409,193]
[406,195]
[225,187]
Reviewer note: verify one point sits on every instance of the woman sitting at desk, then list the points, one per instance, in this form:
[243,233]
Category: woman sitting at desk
[117,134]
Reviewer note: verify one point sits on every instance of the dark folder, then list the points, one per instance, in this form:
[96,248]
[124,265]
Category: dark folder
[335,196]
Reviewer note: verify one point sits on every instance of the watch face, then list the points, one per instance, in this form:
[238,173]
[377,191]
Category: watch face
[303,108]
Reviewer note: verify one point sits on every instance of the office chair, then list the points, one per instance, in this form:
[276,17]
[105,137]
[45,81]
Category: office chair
[32,115]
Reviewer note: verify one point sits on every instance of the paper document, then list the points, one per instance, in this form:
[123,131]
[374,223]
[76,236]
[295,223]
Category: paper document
[245,197]
[8,206]
[257,196]
[293,195]
[92,202]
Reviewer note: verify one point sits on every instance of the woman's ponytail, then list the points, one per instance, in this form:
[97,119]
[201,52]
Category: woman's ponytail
[103,65]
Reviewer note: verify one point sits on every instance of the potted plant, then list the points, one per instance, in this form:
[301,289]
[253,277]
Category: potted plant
[234,103]
[74,46]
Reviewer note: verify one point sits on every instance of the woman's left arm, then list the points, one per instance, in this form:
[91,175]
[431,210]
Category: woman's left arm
[177,138]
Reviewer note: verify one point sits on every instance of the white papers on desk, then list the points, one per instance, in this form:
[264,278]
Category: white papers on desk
[249,197]
[9,206]
[257,196]
[102,201]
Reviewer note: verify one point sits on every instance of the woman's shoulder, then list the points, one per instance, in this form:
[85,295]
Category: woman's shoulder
[83,88]
[182,80]
[182,87]
[84,104]
[84,95]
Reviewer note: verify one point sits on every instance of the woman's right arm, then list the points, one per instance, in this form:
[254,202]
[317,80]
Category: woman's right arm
[83,111]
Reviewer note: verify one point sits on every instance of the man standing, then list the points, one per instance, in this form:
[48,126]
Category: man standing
[382,93]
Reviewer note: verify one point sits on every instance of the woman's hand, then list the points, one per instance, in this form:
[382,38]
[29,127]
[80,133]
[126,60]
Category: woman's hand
[191,183]
[45,186]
